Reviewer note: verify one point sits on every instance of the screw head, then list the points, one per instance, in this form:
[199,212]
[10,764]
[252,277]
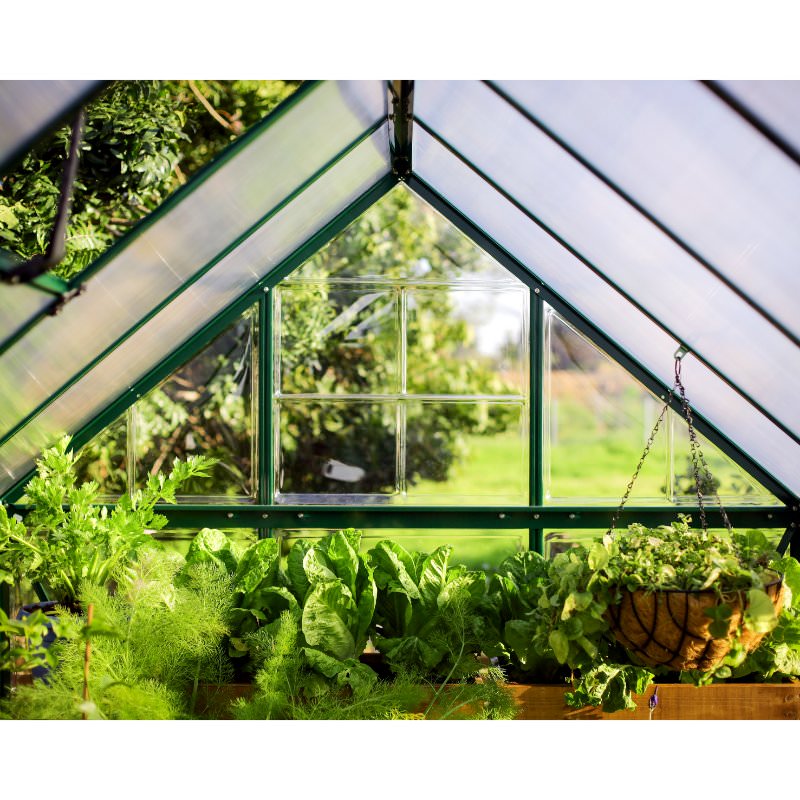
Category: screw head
[229,515]
[265,516]
[300,515]
[537,290]
[536,516]
[572,516]
[501,516]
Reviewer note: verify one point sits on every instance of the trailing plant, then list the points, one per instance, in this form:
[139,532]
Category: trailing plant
[68,539]
[427,613]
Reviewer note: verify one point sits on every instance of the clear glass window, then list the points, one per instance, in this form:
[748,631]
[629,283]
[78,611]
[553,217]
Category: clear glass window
[402,359]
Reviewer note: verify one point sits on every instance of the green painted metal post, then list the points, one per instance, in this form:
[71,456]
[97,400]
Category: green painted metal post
[536,402]
[264,456]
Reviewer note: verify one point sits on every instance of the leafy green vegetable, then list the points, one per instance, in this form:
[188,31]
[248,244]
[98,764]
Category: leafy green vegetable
[210,545]
[426,614]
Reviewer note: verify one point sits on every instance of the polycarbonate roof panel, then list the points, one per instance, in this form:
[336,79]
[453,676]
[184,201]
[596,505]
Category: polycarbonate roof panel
[775,103]
[605,307]
[18,306]
[29,107]
[280,158]
[696,165]
[619,242]
[231,277]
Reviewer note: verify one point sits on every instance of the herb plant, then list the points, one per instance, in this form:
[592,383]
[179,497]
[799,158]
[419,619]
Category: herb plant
[68,539]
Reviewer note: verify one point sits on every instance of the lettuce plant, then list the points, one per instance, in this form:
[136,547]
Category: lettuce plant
[427,615]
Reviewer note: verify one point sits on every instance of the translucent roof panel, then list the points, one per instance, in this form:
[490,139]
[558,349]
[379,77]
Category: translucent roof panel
[620,243]
[596,300]
[158,260]
[27,108]
[697,165]
[199,304]
[18,306]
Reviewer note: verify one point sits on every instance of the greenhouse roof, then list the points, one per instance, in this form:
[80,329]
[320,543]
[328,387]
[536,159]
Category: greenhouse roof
[663,214]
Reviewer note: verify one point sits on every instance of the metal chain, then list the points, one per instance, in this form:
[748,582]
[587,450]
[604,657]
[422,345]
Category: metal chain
[648,445]
[698,459]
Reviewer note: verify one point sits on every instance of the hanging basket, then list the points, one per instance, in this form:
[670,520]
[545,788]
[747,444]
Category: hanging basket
[671,629]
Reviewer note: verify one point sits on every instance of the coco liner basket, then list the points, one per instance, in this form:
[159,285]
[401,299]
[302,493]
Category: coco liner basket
[670,627]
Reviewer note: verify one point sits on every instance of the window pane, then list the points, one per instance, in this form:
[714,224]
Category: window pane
[105,459]
[205,408]
[336,337]
[467,453]
[597,420]
[468,339]
[336,451]
[733,485]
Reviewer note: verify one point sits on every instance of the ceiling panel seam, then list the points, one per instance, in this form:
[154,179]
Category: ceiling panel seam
[600,274]
[753,119]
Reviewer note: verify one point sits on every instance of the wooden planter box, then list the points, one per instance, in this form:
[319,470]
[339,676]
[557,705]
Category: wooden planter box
[676,701]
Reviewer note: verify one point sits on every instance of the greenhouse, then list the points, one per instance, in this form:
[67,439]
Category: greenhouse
[393,400]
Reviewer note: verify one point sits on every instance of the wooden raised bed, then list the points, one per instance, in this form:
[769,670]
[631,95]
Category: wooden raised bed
[676,701]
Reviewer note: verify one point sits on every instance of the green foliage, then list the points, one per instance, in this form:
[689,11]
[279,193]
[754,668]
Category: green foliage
[152,642]
[141,141]
[22,645]
[676,557]
[286,689]
[68,539]
[511,597]
[426,615]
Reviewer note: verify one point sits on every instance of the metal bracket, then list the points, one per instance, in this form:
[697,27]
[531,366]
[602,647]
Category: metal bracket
[682,351]
[65,298]
[401,118]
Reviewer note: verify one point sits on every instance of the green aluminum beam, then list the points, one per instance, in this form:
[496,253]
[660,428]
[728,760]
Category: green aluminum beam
[606,279]
[198,515]
[535,418]
[224,318]
[594,334]
[265,379]
[196,276]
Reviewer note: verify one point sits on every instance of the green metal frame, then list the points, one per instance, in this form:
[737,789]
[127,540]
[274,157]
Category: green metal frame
[594,334]
[226,317]
[268,517]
